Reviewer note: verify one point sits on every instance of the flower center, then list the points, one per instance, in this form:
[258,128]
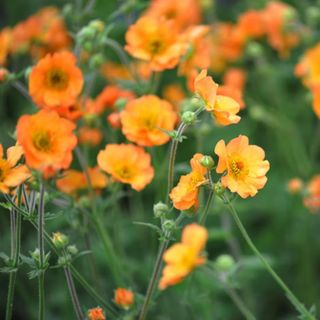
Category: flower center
[41,141]
[156,46]
[57,79]
[125,172]
[236,167]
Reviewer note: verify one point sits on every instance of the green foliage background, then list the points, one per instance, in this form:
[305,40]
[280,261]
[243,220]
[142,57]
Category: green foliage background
[278,118]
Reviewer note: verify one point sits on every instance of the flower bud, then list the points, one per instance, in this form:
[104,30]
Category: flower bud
[120,103]
[96,61]
[254,50]
[219,189]
[96,314]
[64,260]
[60,240]
[124,298]
[224,263]
[207,162]
[189,117]
[160,210]
[35,254]
[168,225]
[72,249]
[97,25]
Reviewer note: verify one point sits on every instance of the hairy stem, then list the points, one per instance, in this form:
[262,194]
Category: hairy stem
[292,298]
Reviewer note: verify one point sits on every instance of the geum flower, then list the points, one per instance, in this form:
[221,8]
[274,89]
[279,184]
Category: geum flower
[185,195]
[47,141]
[244,166]
[55,81]
[74,181]
[155,40]
[124,298]
[181,258]
[224,109]
[312,200]
[145,120]
[127,163]
[11,174]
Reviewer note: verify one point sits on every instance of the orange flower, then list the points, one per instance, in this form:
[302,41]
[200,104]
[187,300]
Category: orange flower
[114,72]
[74,181]
[185,195]
[312,201]
[5,37]
[295,185]
[96,314]
[56,80]
[47,141]
[155,40]
[174,94]
[231,92]
[127,163]
[90,136]
[251,24]
[144,119]
[181,258]
[109,96]
[42,33]
[11,174]
[223,108]
[235,77]
[123,298]
[277,16]
[198,55]
[244,165]
[114,119]
[183,13]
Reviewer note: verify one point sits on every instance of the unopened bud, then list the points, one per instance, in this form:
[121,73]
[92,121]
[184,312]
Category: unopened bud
[160,210]
[207,162]
[219,189]
[72,249]
[97,25]
[120,103]
[189,117]
[60,240]
[168,225]
[224,263]
[96,61]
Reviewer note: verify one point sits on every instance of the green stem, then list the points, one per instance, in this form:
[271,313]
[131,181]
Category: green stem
[15,226]
[73,293]
[206,209]
[292,298]
[156,270]
[106,241]
[41,251]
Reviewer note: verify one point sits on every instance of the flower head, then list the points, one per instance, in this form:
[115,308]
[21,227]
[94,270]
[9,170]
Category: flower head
[56,80]
[124,298]
[89,136]
[183,257]
[96,314]
[11,174]
[143,120]
[185,195]
[74,181]
[127,163]
[155,40]
[244,165]
[47,141]
[223,108]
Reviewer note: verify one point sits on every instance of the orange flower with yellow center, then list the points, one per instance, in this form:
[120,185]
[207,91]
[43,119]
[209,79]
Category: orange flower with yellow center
[224,109]
[74,181]
[185,195]
[123,298]
[155,40]
[244,165]
[143,120]
[183,257]
[11,174]
[56,80]
[96,314]
[127,163]
[47,141]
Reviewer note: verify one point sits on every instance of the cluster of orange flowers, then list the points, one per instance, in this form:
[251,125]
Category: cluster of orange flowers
[42,33]
[309,191]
